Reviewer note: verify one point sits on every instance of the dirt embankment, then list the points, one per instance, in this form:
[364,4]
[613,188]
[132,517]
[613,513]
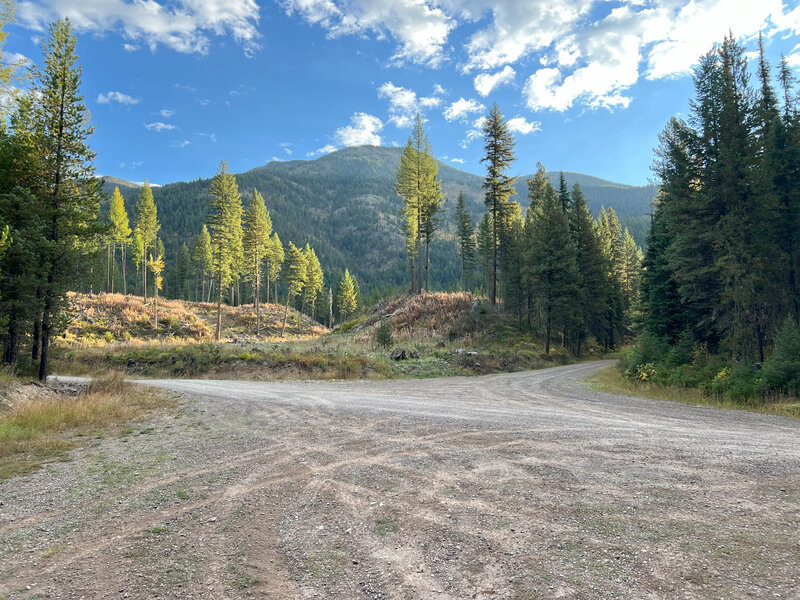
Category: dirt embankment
[520,486]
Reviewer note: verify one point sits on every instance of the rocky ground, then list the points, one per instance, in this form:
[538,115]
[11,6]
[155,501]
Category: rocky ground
[525,485]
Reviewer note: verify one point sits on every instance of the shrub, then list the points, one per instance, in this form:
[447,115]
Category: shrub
[649,348]
[782,368]
[383,335]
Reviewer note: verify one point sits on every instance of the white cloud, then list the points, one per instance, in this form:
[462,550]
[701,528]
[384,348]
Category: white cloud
[588,52]
[167,113]
[404,103]
[158,126]
[180,144]
[287,147]
[183,25]
[486,82]
[458,161]
[364,130]
[130,47]
[328,148]
[518,29]
[420,27]
[117,97]
[472,135]
[683,35]
[461,109]
[521,125]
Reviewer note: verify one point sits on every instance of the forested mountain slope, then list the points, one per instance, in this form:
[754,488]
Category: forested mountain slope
[345,206]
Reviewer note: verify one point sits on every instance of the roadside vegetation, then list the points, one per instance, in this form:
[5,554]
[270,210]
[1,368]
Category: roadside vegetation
[612,380]
[39,424]
[424,335]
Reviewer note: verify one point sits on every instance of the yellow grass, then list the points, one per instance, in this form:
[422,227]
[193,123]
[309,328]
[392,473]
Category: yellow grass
[37,426]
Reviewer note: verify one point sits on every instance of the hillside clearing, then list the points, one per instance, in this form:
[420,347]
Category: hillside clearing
[448,333]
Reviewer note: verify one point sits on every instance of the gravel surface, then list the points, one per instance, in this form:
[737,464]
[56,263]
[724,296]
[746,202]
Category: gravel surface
[525,485]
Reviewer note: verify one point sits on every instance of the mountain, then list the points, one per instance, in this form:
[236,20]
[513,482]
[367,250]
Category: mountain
[110,182]
[344,205]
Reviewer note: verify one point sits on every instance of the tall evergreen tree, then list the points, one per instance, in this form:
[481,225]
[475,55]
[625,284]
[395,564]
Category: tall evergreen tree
[20,211]
[70,191]
[180,278]
[499,147]
[315,280]
[257,229]
[346,295]
[120,232]
[295,276]
[591,306]
[418,185]
[275,258]
[225,223]
[465,232]
[147,227]
[552,259]
[202,258]
[485,250]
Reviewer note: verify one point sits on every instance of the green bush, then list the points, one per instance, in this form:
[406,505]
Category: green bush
[383,335]
[782,369]
[649,349]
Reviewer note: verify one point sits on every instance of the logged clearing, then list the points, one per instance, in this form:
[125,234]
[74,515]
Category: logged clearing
[102,319]
[524,485]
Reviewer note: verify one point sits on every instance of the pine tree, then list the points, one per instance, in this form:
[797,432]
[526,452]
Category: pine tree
[70,192]
[137,252]
[257,229]
[552,259]
[418,185]
[120,232]
[315,280]
[499,147]
[147,227]
[21,269]
[275,259]
[485,250]
[591,272]
[295,276]
[563,193]
[180,279]
[225,223]
[156,265]
[203,261]
[465,232]
[346,295]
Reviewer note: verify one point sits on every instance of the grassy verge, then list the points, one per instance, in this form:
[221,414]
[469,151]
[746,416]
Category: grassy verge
[612,381]
[37,427]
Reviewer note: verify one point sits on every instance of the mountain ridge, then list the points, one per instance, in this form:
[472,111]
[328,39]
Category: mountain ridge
[344,205]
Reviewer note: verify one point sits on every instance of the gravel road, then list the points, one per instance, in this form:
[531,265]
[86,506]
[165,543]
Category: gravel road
[520,486]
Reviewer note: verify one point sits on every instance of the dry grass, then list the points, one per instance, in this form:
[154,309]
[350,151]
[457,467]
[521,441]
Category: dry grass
[612,381]
[38,424]
[99,320]
[430,315]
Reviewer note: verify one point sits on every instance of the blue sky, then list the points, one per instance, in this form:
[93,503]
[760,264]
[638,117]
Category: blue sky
[174,86]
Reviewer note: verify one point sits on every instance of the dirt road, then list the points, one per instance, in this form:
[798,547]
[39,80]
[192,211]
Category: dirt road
[526,485]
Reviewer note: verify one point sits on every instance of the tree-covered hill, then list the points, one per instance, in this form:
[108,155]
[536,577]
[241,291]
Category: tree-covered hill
[345,206]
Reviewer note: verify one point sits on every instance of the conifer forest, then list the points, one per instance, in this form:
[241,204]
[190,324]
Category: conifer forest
[705,291]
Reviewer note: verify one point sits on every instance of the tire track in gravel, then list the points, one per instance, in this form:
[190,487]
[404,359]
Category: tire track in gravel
[517,485]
